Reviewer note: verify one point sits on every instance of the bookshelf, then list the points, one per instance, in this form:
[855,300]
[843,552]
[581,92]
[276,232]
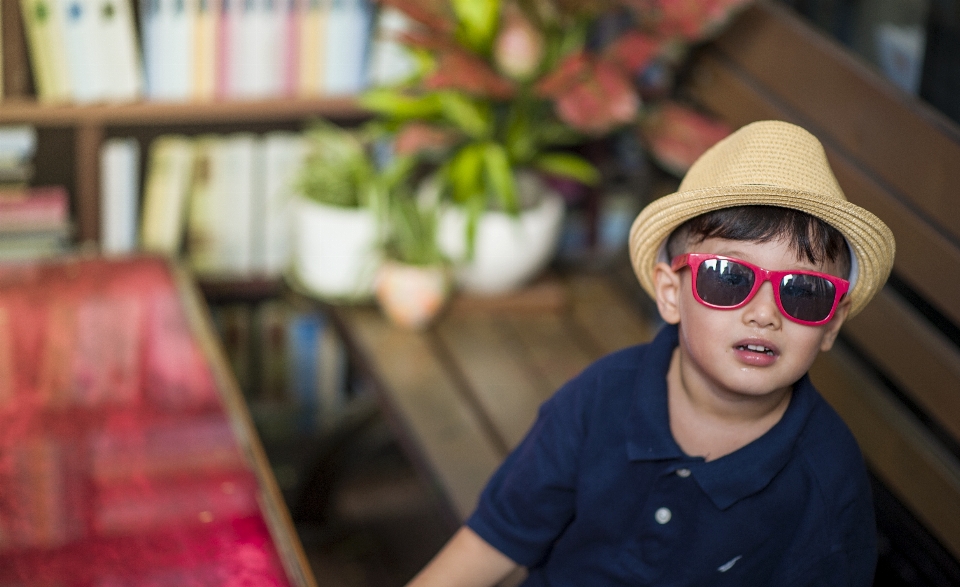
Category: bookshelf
[90,125]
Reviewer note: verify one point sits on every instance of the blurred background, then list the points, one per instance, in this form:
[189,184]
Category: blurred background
[215,134]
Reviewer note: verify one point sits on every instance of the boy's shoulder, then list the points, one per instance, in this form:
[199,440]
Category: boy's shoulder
[827,447]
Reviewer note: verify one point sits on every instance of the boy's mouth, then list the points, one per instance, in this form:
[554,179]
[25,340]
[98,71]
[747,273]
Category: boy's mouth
[757,348]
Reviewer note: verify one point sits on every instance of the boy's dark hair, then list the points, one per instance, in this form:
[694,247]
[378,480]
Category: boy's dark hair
[812,238]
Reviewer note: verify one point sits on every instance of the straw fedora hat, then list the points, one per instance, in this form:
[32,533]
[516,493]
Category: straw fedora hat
[770,163]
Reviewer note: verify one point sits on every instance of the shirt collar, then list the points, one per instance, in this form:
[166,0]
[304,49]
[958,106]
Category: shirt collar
[731,477]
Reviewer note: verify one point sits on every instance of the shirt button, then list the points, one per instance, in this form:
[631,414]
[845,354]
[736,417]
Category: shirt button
[662,515]
[683,473]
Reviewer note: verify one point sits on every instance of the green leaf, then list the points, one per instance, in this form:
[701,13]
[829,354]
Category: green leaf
[500,176]
[478,22]
[464,173]
[568,165]
[396,104]
[474,118]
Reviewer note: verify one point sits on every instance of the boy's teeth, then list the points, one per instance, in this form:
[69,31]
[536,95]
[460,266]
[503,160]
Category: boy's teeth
[759,349]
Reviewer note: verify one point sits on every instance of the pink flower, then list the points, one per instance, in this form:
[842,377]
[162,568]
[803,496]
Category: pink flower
[418,137]
[678,135]
[459,70]
[518,48]
[633,51]
[600,100]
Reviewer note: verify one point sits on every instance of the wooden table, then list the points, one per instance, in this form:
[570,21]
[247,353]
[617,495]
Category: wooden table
[463,393]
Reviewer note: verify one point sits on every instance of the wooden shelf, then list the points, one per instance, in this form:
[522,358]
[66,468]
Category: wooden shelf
[153,113]
[245,290]
[91,121]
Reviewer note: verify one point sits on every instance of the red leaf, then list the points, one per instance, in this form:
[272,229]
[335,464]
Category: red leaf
[633,51]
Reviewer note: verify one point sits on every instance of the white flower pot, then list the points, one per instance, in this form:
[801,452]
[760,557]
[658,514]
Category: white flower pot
[508,251]
[336,253]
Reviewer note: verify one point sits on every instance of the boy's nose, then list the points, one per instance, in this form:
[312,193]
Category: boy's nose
[762,310]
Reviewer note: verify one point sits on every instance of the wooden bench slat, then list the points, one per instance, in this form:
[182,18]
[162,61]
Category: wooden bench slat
[922,253]
[917,357]
[446,431]
[915,149]
[494,365]
[552,350]
[608,322]
[924,476]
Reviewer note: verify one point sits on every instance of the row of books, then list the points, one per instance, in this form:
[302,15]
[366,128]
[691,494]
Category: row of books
[221,201]
[90,50]
[34,221]
[290,364]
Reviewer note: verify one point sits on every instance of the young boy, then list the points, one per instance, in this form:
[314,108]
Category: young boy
[705,457]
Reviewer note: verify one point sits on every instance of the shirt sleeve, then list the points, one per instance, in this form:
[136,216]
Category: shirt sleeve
[531,497]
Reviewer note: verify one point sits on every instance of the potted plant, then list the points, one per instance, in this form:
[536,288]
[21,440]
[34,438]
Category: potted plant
[414,281]
[337,246]
[506,91]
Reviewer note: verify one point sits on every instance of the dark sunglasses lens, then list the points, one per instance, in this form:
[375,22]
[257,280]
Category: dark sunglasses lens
[807,297]
[724,283]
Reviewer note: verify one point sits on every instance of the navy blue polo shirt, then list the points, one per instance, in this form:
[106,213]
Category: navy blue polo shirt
[599,493]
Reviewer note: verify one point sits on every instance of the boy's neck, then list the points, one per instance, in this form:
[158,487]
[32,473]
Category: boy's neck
[711,424]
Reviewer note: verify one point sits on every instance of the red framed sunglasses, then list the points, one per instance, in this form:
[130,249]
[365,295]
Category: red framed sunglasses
[725,283]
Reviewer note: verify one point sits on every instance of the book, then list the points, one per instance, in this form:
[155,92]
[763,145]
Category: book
[290,70]
[242,172]
[390,60]
[270,333]
[311,59]
[85,59]
[169,173]
[228,31]
[18,144]
[40,209]
[283,154]
[120,195]
[168,34]
[151,42]
[1,54]
[203,214]
[119,50]
[303,342]
[45,37]
[177,19]
[205,47]
[347,40]
[235,326]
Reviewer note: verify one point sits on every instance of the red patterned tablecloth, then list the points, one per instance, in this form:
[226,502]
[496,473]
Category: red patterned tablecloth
[119,464]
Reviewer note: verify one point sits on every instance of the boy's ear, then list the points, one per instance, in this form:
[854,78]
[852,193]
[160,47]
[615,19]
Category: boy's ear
[832,329]
[666,285]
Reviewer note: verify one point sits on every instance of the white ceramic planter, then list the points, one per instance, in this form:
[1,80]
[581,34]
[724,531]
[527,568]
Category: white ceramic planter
[509,250]
[336,253]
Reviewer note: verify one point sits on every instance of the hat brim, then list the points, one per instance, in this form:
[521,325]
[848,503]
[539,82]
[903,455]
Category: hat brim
[869,238]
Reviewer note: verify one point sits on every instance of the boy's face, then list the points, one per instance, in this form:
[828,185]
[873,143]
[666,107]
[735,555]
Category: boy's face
[715,351]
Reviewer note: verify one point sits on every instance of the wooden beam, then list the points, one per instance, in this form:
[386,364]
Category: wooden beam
[907,144]
[920,472]
[922,252]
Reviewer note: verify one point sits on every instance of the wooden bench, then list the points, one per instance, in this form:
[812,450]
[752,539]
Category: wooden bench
[896,376]
[463,393]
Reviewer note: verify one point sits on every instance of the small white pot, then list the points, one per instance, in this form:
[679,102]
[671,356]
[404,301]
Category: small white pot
[509,250]
[336,252]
